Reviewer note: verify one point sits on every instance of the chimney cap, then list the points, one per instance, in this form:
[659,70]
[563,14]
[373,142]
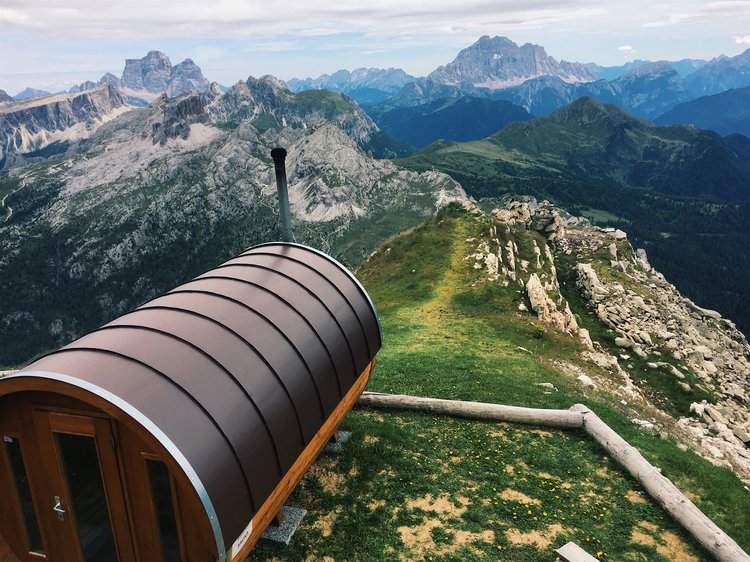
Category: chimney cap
[278,153]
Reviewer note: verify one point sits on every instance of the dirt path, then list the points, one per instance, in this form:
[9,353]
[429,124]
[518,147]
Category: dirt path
[10,209]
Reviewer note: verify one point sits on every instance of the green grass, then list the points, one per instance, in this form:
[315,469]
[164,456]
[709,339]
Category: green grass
[419,487]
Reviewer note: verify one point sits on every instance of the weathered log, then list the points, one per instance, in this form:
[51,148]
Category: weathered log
[564,419]
[666,494]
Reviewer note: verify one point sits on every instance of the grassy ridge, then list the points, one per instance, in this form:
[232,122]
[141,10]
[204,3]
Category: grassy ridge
[680,193]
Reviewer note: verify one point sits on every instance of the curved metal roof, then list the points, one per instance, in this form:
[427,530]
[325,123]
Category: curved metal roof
[235,371]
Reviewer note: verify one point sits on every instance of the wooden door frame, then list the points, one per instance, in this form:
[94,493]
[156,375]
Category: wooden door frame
[17,396]
[100,428]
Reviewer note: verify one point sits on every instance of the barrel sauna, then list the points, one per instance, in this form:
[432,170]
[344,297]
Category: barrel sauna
[178,430]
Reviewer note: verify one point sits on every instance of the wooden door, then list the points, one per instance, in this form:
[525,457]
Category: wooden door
[118,496]
[83,502]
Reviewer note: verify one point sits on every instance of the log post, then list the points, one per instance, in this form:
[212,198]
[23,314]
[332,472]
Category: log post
[666,494]
[564,419]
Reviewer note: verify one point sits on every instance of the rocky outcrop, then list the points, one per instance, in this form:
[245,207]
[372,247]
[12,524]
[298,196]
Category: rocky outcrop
[695,346]
[268,100]
[186,77]
[174,116]
[29,126]
[4,97]
[501,257]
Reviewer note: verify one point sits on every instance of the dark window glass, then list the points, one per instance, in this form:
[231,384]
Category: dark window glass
[88,497]
[33,536]
[162,490]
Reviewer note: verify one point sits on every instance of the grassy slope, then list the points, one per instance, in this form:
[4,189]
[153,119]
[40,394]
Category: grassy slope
[413,486]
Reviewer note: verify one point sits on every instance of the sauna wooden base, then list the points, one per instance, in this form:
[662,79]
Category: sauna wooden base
[271,507]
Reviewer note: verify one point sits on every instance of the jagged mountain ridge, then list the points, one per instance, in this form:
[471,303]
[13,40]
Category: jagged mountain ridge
[721,74]
[144,79]
[265,101]
[26,127]
[647,91]
[162,193]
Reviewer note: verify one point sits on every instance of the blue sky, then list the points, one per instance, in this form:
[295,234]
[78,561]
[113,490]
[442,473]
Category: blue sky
[53,44]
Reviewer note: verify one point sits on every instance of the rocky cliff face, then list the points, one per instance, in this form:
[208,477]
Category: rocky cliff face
[186,77]
[152,73]
[29,126]
[497,62]
[653,331]
[4,97]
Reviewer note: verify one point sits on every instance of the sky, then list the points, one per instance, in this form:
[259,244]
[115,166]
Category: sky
[54,44]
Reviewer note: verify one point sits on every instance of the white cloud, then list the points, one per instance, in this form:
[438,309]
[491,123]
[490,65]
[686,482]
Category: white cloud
[626,49]
[745,40]
[146,19]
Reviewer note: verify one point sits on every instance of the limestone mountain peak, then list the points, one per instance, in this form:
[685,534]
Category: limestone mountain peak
[498,63]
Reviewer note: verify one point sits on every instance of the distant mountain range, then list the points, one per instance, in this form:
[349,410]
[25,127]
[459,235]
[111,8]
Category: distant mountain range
[496,63]
[496,68]
[726,113]
[142,80]
[682,193]
[458,119]
[588,141]
[365,85]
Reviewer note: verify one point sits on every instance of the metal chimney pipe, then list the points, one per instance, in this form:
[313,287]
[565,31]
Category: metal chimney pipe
[279,156]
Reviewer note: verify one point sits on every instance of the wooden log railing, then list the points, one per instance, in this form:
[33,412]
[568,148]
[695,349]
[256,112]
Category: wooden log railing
[660,488]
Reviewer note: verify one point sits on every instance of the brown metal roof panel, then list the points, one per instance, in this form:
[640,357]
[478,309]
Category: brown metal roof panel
[292,348]
[175,414]
[263,389]
[266,339]
[312,310]
[340,276]
[327,293]
[201,378]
